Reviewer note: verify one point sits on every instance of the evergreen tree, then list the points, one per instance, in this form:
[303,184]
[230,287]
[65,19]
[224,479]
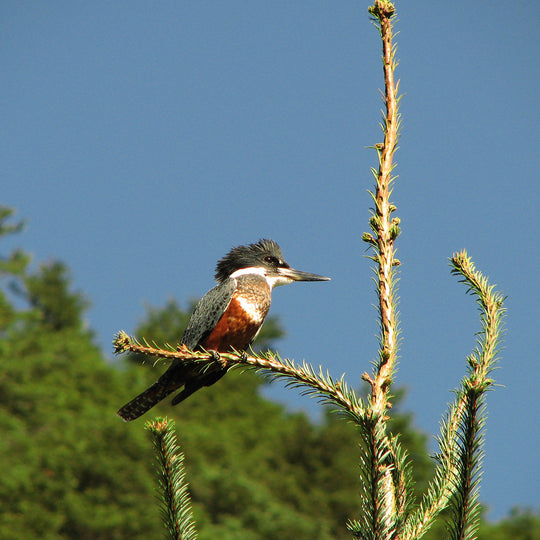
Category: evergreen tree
[69,468]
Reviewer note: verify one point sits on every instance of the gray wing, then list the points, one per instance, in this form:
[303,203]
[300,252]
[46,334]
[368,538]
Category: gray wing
[208,312]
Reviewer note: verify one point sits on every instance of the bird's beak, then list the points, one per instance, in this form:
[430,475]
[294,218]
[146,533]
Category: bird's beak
[298,275]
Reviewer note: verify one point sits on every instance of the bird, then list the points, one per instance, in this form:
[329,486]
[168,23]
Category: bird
[227,318]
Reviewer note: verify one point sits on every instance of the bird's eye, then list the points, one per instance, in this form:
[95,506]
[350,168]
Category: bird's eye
[271,260]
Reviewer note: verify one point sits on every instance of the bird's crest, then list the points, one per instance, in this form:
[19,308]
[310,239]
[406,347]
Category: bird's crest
[251,255]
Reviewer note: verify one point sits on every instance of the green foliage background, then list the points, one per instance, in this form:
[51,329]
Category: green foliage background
[72,469]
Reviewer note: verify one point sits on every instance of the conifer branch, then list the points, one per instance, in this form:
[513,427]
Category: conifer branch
[402,481]
[443,484]
[386,482]
[470,441]
[457,476]
[174,489]
[314,384]
[385,229]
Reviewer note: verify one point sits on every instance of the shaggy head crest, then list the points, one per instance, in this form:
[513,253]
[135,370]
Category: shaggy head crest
[264,253]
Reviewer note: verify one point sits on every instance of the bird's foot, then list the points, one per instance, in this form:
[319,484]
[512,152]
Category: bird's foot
[215,358]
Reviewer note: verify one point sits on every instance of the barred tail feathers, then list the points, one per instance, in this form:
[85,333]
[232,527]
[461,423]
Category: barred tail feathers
[173,379]
[145,401]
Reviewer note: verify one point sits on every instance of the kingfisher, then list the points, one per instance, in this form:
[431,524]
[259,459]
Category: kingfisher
[227,318]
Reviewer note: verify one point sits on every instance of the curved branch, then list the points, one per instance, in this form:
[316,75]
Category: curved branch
[332,392]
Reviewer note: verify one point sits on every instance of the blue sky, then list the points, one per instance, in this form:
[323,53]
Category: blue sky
[142,140]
